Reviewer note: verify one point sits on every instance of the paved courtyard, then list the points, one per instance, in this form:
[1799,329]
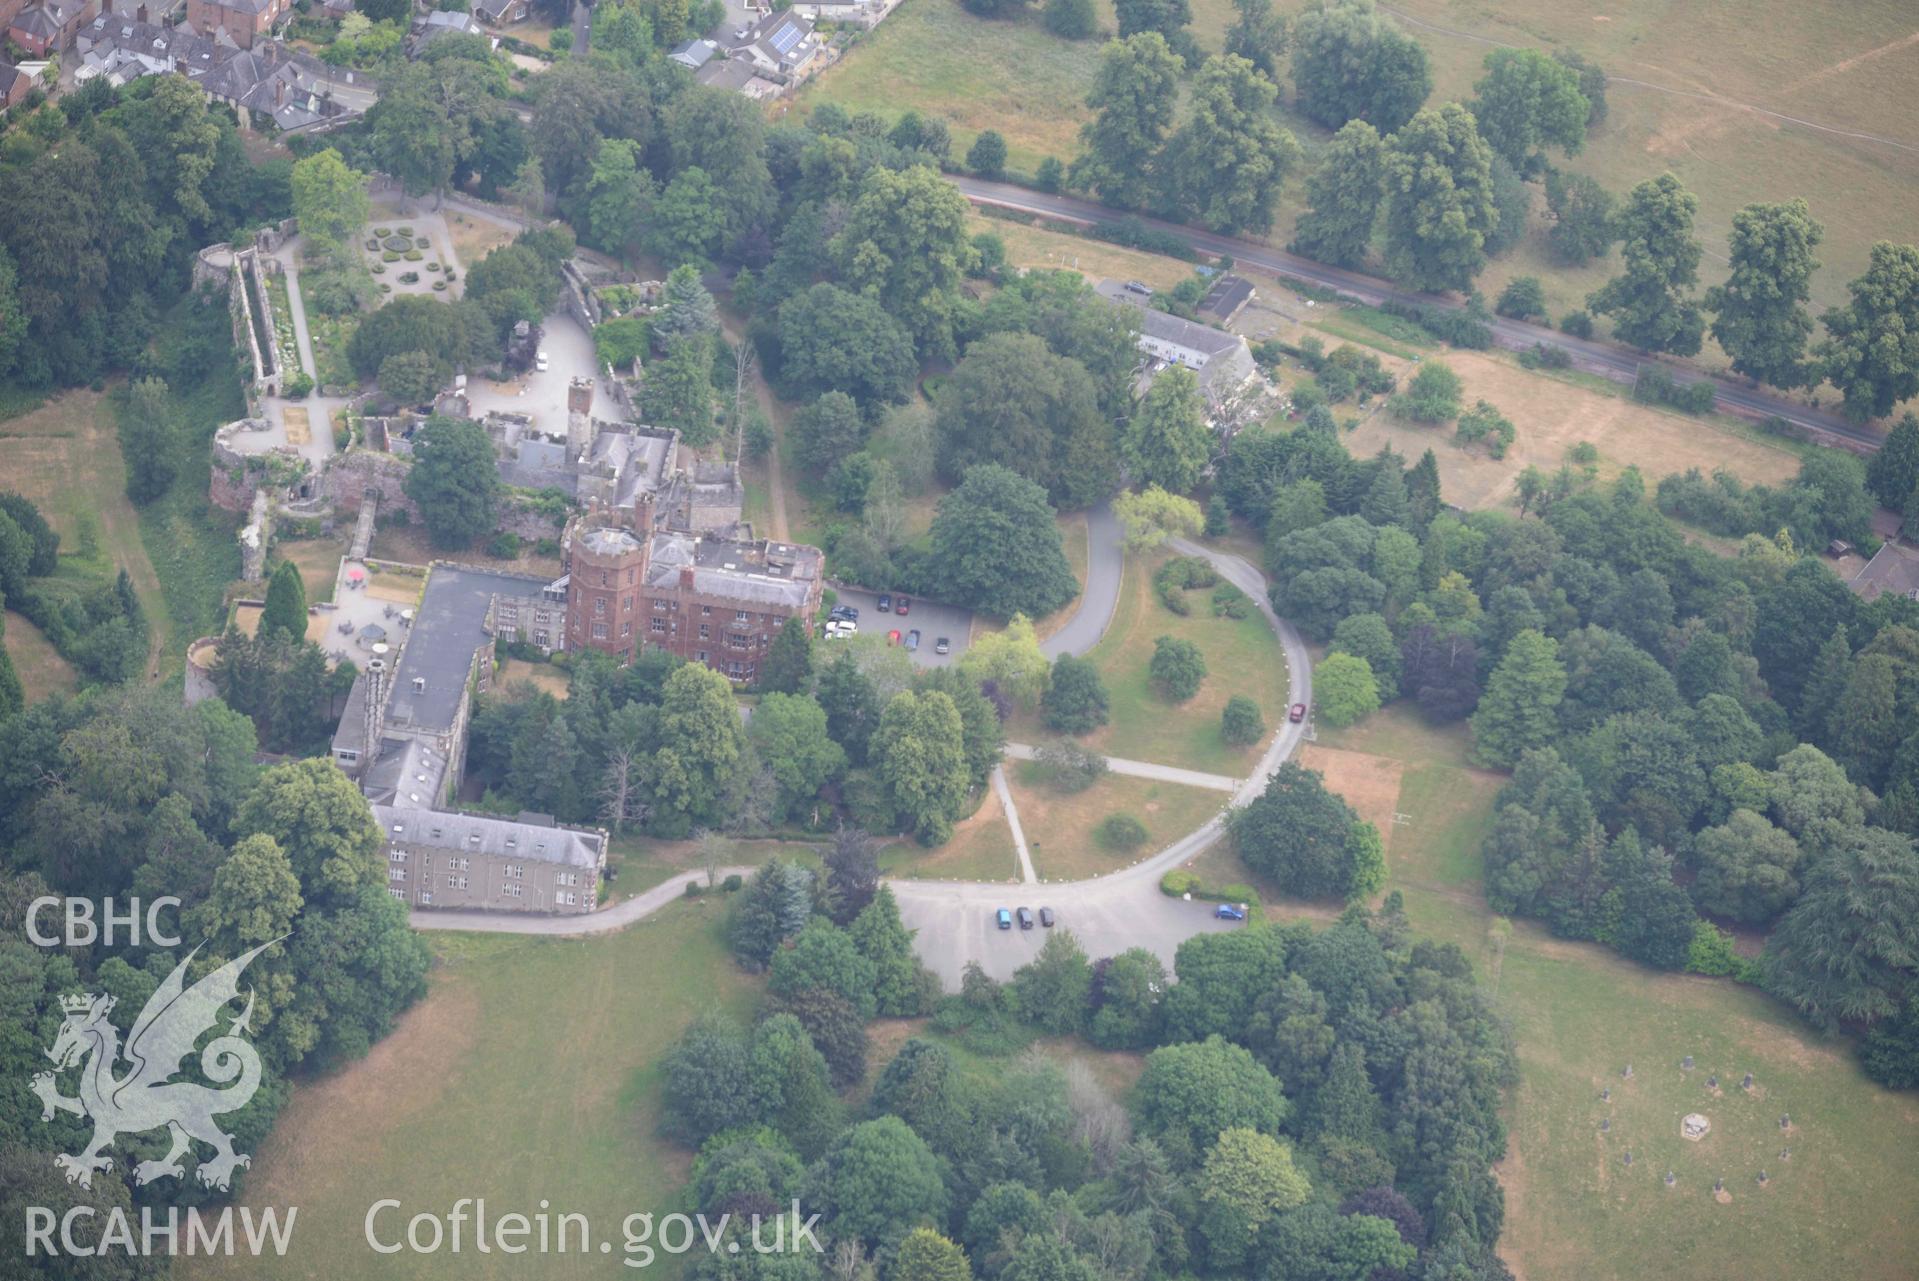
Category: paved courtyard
[542,396]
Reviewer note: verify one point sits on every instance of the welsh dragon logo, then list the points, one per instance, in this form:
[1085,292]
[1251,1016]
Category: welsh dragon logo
[145,1098]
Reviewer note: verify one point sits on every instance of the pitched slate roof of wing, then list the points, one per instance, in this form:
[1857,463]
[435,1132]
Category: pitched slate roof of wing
[499,837]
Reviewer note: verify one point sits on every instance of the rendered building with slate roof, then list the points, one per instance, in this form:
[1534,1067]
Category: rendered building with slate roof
[1223,361]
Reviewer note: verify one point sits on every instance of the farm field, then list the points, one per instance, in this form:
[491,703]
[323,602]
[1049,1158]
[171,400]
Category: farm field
[545,1049]
[1060,827]
[1580,1014]
[1840,65]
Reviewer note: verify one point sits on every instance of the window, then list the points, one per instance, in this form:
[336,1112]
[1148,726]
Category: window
[706,611]
[626,604]
[739,616]
[599,631]
[659,606]
[396,874]
[543,640]
[659,626]
[396,894]
[602,578]
[515,871]
[396,855]
[426,896]
[632,576]
[599,606]
[700,657]
[626,627]
[510,891]
[706,632]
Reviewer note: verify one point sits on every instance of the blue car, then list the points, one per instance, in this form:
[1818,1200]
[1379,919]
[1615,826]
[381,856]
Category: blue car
[1005,919]
[1227,912]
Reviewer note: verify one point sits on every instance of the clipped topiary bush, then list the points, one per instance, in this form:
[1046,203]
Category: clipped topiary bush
[1177,883]
[1120,832]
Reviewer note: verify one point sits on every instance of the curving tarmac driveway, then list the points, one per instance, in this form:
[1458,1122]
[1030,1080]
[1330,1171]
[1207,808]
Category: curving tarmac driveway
[1125,909]
[954,920]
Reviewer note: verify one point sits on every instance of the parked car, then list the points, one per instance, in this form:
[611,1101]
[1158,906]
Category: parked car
[1139,287]
[913,641]
[1298,713]
[884,604]
[902,605]
[1026,918]
[540,362]
[1229,912]
[1046,917]
[1005,919]
[843,613]
[942,646]
[893,637]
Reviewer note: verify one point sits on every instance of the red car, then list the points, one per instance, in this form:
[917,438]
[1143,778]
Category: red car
[1298,713]
[901,604]
[893,637]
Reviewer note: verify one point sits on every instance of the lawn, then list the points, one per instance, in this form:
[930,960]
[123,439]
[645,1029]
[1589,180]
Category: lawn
[544,676]
[981,849]
[318,560]
[1028,246]
[1580,1014]
[36,662]
[474,237]
[65,457]
[1242,657]
[409,544]
[529,1074]
[1060,826]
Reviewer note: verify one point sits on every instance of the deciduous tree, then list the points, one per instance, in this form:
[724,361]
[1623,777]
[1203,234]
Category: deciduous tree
[1439,200]
[1648,300]
[1344,193]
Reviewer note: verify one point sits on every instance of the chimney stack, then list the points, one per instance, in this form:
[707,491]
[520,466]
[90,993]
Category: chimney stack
[375,711]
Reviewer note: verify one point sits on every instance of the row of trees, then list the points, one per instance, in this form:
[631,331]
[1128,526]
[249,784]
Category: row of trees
[1314,1104]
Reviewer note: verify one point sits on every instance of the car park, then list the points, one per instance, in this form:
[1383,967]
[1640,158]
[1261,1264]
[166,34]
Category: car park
[1005,919]
[1046,917]
[1298,713]
[1229,912]
[913,641]
[1026,918]
[943,646]
[884,604]
[902,604]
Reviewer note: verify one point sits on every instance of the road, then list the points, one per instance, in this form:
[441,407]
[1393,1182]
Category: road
[617,917]
[1609,360]
[1105,567]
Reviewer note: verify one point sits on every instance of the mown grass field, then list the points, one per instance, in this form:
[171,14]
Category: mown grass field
[1061,827]
[530,1072]
[1838,1206]
[981,849]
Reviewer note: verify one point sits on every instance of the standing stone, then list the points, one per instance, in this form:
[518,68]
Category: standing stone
[1686,1063]
[1671,1178]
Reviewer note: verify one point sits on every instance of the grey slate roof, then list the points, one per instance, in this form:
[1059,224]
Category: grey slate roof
[499,837]
[450,626]
[1223,301]
[1167,327]
[406,772]
[782,575]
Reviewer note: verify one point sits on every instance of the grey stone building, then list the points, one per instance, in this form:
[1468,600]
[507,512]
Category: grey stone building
[528,864]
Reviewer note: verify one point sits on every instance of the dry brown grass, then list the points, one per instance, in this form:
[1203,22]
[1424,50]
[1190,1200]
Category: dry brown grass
[1370,784]
[981,849]
[35,661]
[541,676]
[318,560]
[473,238]
[1553,415]
[1094,259]
[1060,826]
